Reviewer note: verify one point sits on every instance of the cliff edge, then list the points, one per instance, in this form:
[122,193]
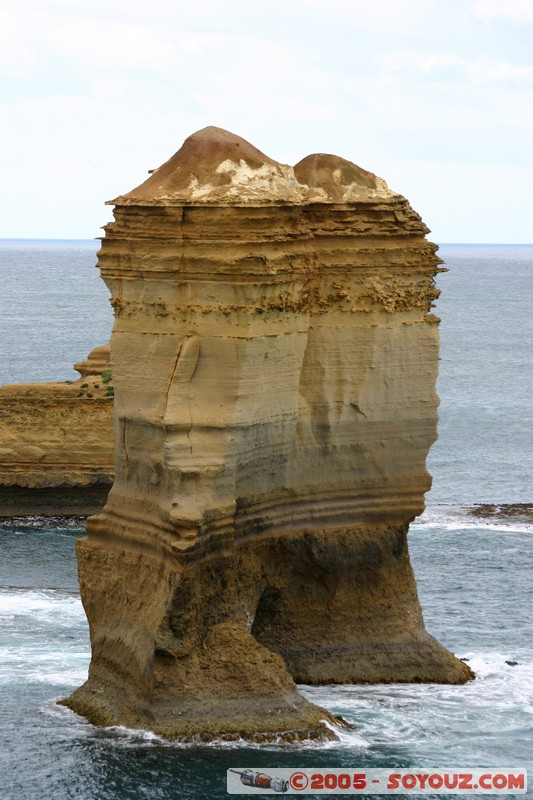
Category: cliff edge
[275,360]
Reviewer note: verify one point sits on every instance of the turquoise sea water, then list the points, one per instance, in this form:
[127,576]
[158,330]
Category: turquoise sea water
[474,575]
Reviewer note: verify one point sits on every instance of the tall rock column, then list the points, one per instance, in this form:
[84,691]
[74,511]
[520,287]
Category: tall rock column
[274,362]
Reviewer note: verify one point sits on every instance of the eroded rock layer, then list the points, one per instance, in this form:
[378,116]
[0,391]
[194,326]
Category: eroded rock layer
[275,362]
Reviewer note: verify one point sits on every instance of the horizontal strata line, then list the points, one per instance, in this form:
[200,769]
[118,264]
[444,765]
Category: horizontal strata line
[278,278]
[232,215]
[345,258]
[247,465]
[152,549]
[287,227]
[284,225]
[248,249]
[248,260]
[280,526]
[344,261]
[360,241]
[314,512]
[130,520]
[286,306]
[217,541]
[145,518]
[236,231]
[260,250]
[409,430]
[350,513]
[188,204]
[59,467]
[244,267]
[309,516]
[331,498]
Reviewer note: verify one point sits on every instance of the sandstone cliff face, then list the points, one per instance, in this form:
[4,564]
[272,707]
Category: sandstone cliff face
[56,446]
[274,364]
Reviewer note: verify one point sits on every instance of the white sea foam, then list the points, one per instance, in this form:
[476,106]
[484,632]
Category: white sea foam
[40,664]
[411,716]
[22,526]
[128,737]
[68,677]
[454,518]
[422,714]
[59,606]
[45,638]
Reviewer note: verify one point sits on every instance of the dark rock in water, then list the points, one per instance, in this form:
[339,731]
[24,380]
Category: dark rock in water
[464,659]
[512,663]
[344,722]
[522,512]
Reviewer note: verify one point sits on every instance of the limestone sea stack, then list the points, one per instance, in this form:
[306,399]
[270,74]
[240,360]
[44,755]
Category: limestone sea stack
[275,360]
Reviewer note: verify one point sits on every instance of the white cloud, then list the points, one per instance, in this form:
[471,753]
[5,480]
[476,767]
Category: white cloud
[96,93]
[516,10]
[16,54]
[34,39]
[406,60]
[398,16]
[500,70]
[477,212]
[480,69]
[112,44]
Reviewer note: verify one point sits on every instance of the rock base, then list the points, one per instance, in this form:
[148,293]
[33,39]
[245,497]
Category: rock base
[213,649]
[229,688]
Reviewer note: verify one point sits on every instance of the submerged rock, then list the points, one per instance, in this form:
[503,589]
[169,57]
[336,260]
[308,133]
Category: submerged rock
[517,512]
[275,359]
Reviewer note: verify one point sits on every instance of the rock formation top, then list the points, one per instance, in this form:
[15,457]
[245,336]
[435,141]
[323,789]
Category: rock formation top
[96,362]
[216,167]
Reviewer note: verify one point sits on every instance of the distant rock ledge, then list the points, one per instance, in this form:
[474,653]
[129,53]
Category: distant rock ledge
[56,443]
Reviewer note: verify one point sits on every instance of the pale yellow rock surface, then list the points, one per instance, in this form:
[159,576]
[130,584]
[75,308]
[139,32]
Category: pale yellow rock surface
[275,359]
[97,361]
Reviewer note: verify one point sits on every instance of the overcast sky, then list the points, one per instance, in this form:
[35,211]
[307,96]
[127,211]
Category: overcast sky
[435,96]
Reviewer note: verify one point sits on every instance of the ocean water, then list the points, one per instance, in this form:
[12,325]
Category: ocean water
[54,308]
[473,573]
[485,448]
